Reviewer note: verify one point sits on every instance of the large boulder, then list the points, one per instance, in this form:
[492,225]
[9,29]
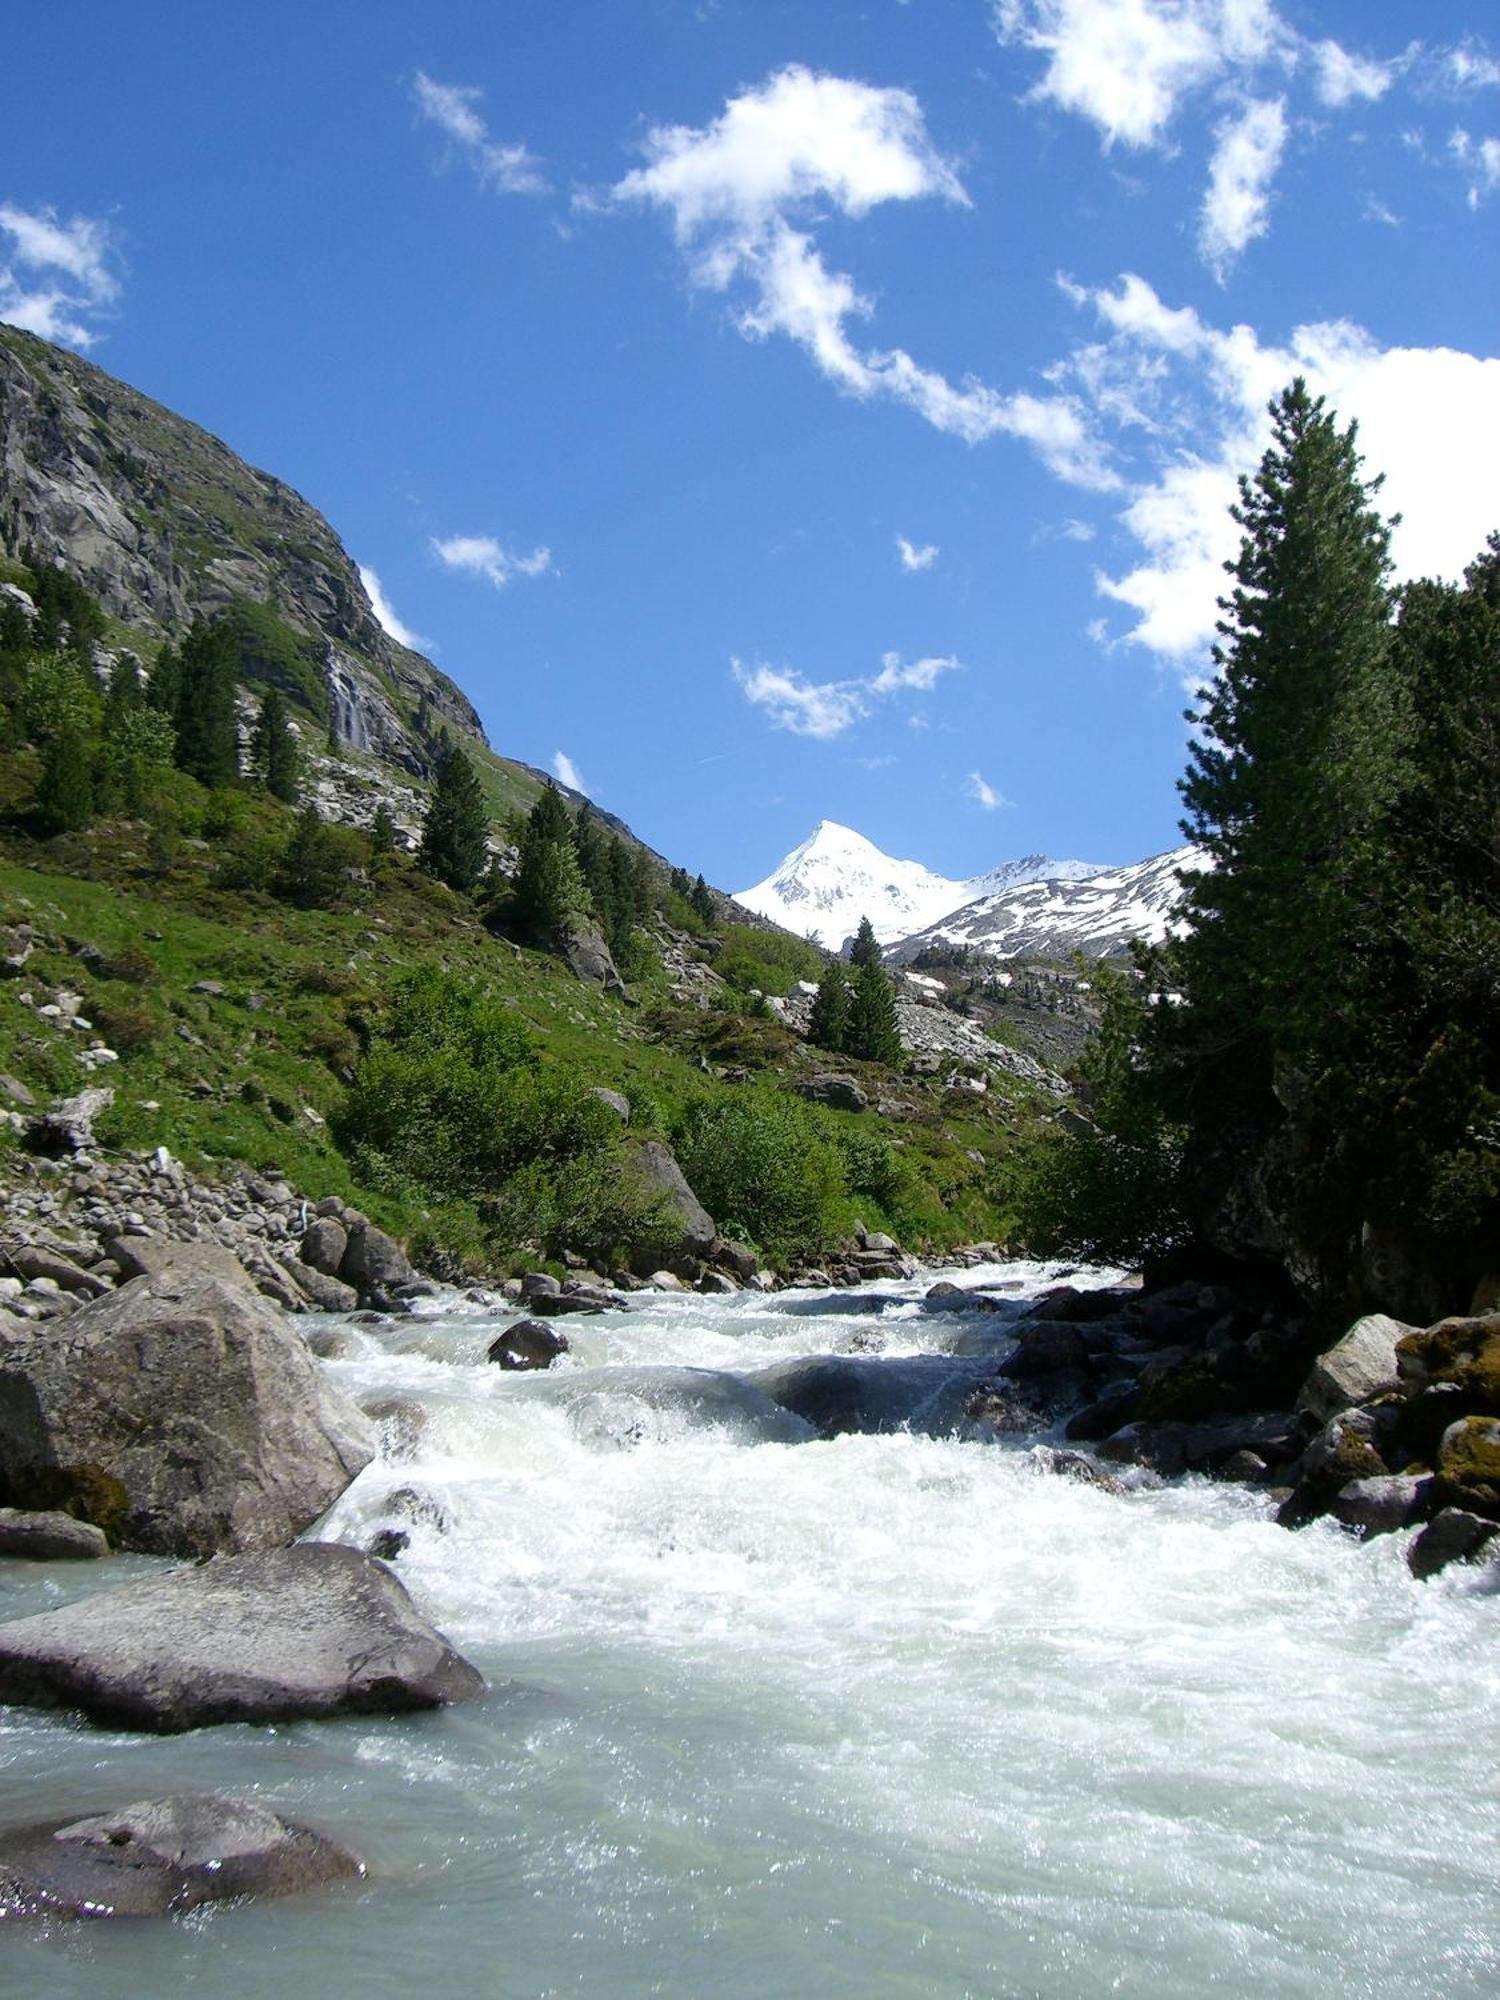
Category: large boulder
[162,1857]
[375,1265]
[1463,1352]
[313,1630]
[838,1092]
[1361,1365]
[581,947]
[527,1344]
[50,1537]
[684,1227]
[181,1414]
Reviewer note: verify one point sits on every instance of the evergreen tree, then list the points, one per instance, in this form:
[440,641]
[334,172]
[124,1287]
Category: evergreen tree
[702,900]
[874,1033]
[382,832]
[64,792]
[274,757]
[457,823]
[865,949]
[828,1023]
[314,870]
[164,688]
[126,691]
[549,884]
[208,744]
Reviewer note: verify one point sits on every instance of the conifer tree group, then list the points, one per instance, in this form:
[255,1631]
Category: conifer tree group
[854,1008]
[455,832]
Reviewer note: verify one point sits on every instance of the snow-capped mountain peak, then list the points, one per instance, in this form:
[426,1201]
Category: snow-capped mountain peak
[823,888]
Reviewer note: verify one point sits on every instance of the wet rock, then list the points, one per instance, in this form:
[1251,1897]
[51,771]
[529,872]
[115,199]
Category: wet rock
[838,1092]
[527,1344]
[388,1543]
[1454,1535]
[1043,1346]
[945,1296]
[1381,1505]
[716,1283]
[1073,1465]
[163,1857]
[375,1265]
[1358,1367]
[1002,1413]
[402,1424]
[181,1414]
[313,1630]
[1345,1449]
[539,1285]
[1068,1303]
[576,1298]
[737,1258]
[665,1281]
[1101,1419]
[49,1537]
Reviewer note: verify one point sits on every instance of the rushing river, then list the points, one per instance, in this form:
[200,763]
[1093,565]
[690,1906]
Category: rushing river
[899,1714]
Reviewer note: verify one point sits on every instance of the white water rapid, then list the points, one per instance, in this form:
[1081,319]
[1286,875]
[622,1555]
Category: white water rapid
[898,1714]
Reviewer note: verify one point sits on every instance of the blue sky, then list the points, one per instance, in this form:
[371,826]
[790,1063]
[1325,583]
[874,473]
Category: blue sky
[779,412]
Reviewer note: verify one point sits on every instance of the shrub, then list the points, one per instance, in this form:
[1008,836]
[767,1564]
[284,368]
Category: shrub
[761,1165]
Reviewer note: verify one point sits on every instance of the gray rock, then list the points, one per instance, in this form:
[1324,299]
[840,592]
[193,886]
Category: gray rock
[69,1126]
[582,949]
[1452,1536]
[527,1344]
[1361,1365]
[163,1857]
[153,1256]
[665,1281]
[375,1264]
[613,1101]
[330,1295]
[840,1093]
[324,1243]
[313,1630]
[181,1414]
[36,1260]
[1045,1345]
[579,1299]
[738,1258]
[540,1285]
[13,1088]
[49,1537]
[716,1282]
[685,1227]
[1380,1505]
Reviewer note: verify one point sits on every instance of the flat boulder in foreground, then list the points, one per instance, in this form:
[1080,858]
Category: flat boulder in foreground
[182,1414]
[161,1857]
[314,1630]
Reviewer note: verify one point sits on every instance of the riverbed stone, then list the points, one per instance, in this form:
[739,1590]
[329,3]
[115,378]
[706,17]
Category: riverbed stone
[49,1537]
[163,1857]
[528,1344]
[1452,1535]
[1468,1465]
[182,1414]
[314,1630]
[1360,1366]
[375,1264]
[324,1244]
[1464,1352]
[1382,1505]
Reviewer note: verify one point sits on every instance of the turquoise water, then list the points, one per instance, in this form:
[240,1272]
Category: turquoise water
[897,1714]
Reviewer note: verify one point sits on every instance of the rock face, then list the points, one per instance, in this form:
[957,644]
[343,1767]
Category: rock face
[686,1229]
[180,1413]
[162,1857]
[313,1630]
[166,524]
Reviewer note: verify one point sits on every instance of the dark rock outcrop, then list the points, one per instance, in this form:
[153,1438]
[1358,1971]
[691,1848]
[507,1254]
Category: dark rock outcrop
[181,1414]
[313,1630]
[527,1344]
[163,1857]
[839,1093]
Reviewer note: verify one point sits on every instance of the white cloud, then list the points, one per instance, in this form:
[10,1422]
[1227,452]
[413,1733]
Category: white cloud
[385,612]
[56,276]
[896,673]
[828,708]
[1480,159]
[1343,78]
[914,558]
[1236,203]
[823,709]
[1195,396]
[1471,67]
[1076,531]
[798,146]
[568,773]
[482,555]
[1127,64]
[451,107]
[983,794]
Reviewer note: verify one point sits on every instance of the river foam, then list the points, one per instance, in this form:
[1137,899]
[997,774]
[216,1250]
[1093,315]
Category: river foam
[887,1714]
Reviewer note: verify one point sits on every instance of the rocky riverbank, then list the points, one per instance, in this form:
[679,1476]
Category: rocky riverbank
[1391,1427]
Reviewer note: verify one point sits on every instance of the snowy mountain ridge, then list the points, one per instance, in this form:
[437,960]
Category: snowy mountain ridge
[823,888]
[1033,906]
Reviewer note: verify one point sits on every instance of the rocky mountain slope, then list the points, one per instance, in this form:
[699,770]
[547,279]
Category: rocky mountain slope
[823,888]
[163,523]
[1100,917]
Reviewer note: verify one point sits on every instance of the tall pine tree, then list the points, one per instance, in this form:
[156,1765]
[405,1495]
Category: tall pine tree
[457,823]
[549,884]
[828,1023]
[208,744]
[874,1033]
[274,759]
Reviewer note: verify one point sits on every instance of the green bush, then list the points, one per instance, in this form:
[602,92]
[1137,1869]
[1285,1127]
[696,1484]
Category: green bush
[768,962]
[761,1165]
